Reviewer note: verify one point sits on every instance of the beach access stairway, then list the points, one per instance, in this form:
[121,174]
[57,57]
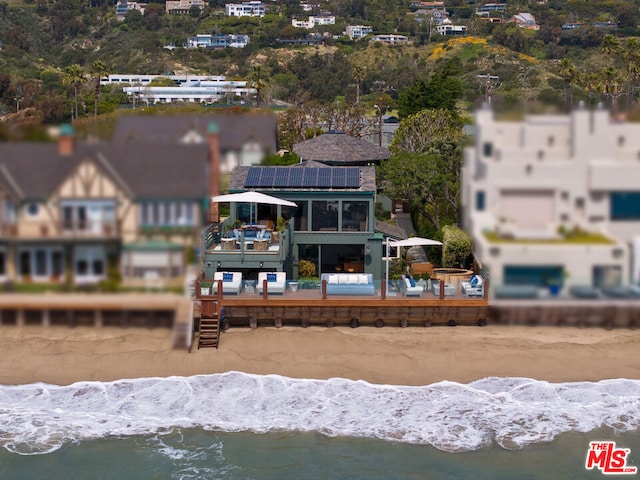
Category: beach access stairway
[209,329]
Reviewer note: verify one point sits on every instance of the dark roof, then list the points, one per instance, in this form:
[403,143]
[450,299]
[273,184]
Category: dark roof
[390,230]
[239,175]
[235,129]
[35,170]
[339,149]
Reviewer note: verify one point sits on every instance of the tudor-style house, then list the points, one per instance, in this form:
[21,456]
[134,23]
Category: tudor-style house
[72,211]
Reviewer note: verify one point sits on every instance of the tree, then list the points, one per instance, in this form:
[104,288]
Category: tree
[441,91]
[74,77]
[424,168]
[99,70]
[259,79]
[568,73]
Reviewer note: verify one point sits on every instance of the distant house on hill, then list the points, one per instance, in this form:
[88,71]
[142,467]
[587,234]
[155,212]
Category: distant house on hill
[183,6]
[315,21]
[125,6]
[525,20]
[391,39]
[244,138]
[245,9]
[218,41]
[355,32]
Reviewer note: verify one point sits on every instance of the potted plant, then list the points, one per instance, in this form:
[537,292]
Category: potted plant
[555,284]
[281,227]
[205,287]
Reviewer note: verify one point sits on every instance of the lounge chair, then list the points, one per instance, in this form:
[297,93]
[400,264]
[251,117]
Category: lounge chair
[474,287]
[276,282]
[410,287]
[231,282]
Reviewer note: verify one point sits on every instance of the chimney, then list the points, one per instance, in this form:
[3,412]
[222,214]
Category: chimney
[213,136]
[65,140]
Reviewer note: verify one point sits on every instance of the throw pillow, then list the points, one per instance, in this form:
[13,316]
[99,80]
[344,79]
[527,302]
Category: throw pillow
[272,277]
[352,279]
[363,279]
[474,281]
[227,277]
[333,279]
[412,282]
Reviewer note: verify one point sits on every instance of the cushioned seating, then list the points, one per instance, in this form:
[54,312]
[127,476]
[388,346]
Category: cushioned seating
[410,287]
[516,291]
[276,282]
[617,291]
[474,287]
[583,291]
[349,283]
[231,282]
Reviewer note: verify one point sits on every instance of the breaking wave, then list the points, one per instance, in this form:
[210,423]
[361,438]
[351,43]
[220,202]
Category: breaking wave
[512,412]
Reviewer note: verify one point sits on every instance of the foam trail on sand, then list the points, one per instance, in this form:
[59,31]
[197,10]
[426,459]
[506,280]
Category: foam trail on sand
[513,412]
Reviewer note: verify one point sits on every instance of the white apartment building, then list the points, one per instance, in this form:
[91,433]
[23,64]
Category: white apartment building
[245,9]
[314,21]
[448,29]
[554,196]
[218,41]
[198,91]
[355,32]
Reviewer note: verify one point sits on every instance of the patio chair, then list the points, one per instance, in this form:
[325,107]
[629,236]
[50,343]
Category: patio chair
[474,287]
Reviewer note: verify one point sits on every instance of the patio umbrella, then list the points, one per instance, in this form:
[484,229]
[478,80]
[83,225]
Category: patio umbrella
[252,198]
[408,242]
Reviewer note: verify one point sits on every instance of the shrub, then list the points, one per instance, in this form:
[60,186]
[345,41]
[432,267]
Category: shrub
[306,269]
[456,247]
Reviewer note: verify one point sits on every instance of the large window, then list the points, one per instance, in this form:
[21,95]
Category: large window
[87,216]
[355,216]
[480,201]
[40,262]
[625,206]
[324,216]
[167,213]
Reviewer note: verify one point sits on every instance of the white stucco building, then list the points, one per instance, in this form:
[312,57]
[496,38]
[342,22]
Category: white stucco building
[554,196]
[245,9]
[314,21]
[355,32]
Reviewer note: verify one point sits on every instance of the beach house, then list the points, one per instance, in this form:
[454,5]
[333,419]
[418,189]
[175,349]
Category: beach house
[554,199]
[73,211]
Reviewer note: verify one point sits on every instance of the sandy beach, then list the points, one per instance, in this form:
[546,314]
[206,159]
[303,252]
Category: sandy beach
[412,356]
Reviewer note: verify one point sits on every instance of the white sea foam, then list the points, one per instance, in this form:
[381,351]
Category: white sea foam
[513,412]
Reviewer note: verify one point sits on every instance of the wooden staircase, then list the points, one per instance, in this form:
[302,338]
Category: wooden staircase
[209,331]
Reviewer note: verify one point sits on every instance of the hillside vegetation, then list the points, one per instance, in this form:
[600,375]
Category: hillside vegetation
[52,52]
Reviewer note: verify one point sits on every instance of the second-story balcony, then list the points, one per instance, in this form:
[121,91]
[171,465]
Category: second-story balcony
[83,228]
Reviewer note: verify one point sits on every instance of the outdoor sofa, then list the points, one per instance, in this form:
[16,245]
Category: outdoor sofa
[231,282]
[276,282]
[349,283]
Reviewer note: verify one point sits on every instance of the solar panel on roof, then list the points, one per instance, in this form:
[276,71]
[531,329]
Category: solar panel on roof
[253,177]
[266,179]
[309,178]
[324,177]
[352,177]
[338,178]
[282,177]
[295,177]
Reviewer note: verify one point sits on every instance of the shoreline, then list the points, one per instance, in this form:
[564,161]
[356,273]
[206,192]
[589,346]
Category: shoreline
[409,356]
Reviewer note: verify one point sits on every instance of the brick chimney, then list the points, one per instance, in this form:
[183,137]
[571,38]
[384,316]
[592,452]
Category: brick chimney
[65,140]
[213,136]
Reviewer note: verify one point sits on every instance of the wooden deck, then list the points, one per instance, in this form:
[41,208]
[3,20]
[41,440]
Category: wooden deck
[308,307]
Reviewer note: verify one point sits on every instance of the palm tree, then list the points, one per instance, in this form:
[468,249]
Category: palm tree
[611,79]
[358,75]
[631,55]
[568,73]
[99,70]
[74,77]
[259,79]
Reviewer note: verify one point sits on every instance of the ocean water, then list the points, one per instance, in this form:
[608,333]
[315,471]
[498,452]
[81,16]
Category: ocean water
[240,426]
